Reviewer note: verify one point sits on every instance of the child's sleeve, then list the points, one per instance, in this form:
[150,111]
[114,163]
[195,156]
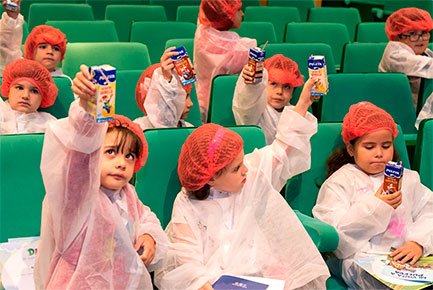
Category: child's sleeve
[11,35]
[70,166]
[249,101]
[165,101]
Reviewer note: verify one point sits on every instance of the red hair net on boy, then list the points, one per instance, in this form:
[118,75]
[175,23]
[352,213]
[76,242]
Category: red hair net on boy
[364,118]
[33,72]
[143,86]
[283,70]
[44,34]
[206,151]
[406,19]
[218,13]
[122,121]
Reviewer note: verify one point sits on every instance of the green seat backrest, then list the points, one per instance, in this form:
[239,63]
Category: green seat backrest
[424,153]
[172,6]
[334,34]
[187,13]
[302,190]
[278,16]
[389,91]
[221,100]
[144,32]
[371,32]
[25,5]
[302,5]
[126,82]
[157,183]
[362,57]
[194,116]
[300,52]
[188,43]
[87,31]
[25,32]
[347,16]
[122,56]
[41,12]
[64,99]
[262,31]
[21,186]
[124,15]
[425,91]
[98,6]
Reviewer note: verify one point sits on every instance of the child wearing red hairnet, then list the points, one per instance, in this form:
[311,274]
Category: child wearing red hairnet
[216,50]
[262,103]
[161,96]
[95,232]
[28,86]
[230,218]
[407,52]
[351,198]
[44,44]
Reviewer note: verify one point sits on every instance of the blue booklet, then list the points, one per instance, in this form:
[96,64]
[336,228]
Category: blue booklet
[226,282]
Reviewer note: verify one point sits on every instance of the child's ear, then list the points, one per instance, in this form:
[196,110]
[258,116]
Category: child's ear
[211,182]
[350,149]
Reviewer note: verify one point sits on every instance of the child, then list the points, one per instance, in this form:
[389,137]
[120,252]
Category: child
[95,233]
[230,217]
[217,50]
[407,52]
[262,104]
[351,198]
[28,86]
[161,96]
[44,44]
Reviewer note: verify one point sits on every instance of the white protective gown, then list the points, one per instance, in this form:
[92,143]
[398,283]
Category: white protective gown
[400,58]
[250,107]
[253,232]
[164,103]
[14,122]
[426,111]
[217,53]
[365,223]
[88,235]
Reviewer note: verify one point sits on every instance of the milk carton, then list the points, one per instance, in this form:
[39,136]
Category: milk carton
[256,62]
[11,6]
[183,66]
[317,70]
[393,177]
[104,79]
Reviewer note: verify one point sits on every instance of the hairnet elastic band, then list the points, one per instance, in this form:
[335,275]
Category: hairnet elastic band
[216,140]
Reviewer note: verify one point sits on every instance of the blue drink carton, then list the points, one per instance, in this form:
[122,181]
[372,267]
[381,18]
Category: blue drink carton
[11,6]
[317,70]
[256,62]
[104,79]
[183,66]
[393,177]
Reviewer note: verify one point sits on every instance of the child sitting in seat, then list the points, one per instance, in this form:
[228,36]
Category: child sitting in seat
[28,86]
[216,50]
[262,103]
[229,217]
[161,96]
[352,198]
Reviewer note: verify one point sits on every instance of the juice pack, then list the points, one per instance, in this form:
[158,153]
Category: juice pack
[104,79]
[317,70]
[256,62]
[183,66]
[11,6]
[393,177]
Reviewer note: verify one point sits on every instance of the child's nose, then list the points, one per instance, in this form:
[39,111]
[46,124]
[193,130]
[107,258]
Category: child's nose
[26,94]
[120,162]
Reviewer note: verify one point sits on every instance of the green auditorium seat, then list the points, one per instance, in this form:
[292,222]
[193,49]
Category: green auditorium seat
[87,31]
[124,15]
[262,31]
[221,100]
[347,16]
[393,5]
[172,6]
[25,5]
[98,6]
[21,186]
[371,32]
[425,91]
[187,13]
[188,43]
[423,162]
[64,99]
[144,32]
[362,57]
[122,56]
[278,16]
[194,116]
[25,31]
[334,34]
[41,12]
[302,5]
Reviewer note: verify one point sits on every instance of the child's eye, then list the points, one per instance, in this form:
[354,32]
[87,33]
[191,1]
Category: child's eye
[56,48]
[369,147]
[386,146]
[42,46]
[287,87]
[19,87]
[34,91]
[130,156]
[110,152]
[273,84]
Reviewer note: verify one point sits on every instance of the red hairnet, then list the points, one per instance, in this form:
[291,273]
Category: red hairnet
[364,118]
[122,121]
[33,72]
[44,34]
[406,19]
[283,70]
[206,151]
[218,13]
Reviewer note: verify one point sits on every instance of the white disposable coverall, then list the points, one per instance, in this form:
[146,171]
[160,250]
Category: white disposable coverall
[253,232]
[88,235]
[365,223]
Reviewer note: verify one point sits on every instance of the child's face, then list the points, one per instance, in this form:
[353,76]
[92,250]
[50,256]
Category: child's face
[233,176]
[421,40]
[117,166]
[237,20]
[24,97]
[187,106]
[373,151]
[279,95]
[48,55]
